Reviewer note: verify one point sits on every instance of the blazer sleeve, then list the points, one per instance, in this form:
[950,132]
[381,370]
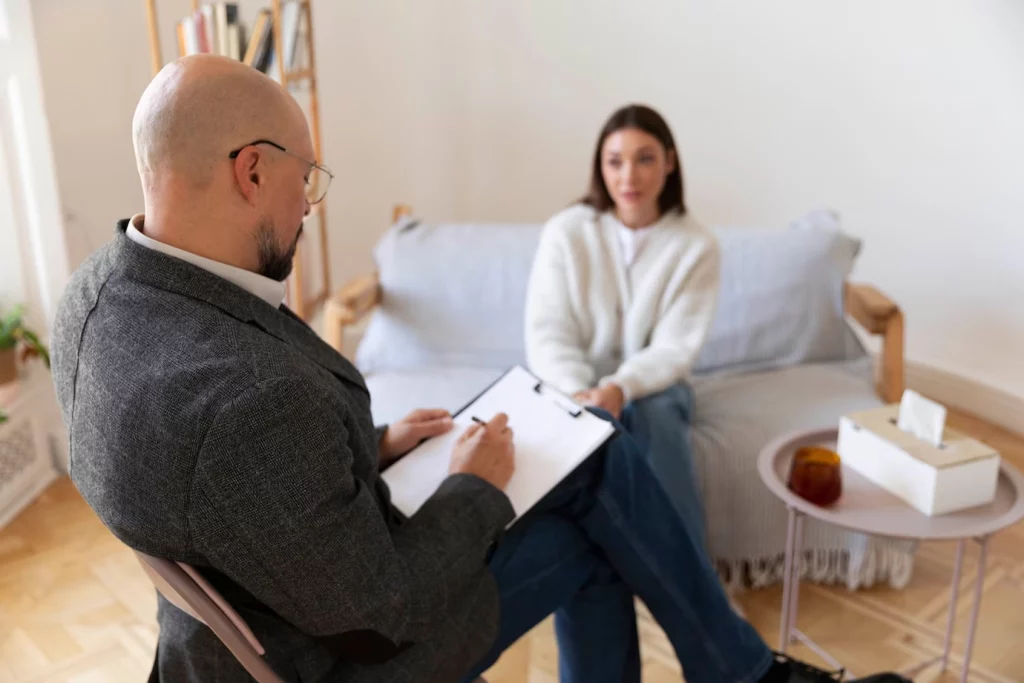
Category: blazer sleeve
[555,349]
[276,507]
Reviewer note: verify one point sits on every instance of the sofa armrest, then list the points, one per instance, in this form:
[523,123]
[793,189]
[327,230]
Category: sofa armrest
[879,315]
[348,306]
[356,299]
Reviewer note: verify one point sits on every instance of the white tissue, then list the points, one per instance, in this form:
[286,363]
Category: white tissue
[922,417]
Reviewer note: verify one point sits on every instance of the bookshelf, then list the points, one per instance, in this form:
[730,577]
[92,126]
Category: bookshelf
[294,79]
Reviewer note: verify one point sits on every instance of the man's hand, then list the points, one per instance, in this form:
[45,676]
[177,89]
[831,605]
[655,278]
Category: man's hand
[402,436]
[608,397]
[486,451]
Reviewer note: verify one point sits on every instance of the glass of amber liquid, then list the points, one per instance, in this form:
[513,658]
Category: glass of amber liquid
[815,475]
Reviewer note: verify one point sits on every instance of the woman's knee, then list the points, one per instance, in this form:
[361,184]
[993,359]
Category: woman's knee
[624,443]
[672,403]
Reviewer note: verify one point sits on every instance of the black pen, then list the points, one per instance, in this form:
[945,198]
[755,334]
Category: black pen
[478,420]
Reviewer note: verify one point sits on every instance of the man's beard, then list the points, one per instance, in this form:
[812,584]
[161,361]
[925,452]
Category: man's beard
[275,263]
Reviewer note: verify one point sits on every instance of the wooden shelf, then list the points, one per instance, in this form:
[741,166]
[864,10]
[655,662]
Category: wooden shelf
[299,75]
[304,306]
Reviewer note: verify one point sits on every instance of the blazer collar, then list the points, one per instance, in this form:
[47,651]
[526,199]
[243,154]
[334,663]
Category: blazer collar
[171,274]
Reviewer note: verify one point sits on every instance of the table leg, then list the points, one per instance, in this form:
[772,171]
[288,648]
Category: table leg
[787,577]
[979,584]
[954,595]
[800,636]
[794,591]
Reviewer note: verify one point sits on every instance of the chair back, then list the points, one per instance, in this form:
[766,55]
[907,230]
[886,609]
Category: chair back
[187,590]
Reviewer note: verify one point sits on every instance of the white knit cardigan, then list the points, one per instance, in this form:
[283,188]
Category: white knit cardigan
[591,319]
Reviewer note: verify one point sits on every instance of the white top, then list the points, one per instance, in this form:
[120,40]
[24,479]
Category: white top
[631,240]
[602,307]
[269,290]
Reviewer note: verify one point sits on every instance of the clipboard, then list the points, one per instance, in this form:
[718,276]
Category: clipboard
[568,404]
[553,436]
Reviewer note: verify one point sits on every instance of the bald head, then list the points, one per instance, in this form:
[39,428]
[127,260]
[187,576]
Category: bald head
[199,108]
[246,210]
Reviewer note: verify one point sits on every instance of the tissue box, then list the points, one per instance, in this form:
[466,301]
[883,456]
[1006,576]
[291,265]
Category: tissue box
[960,473]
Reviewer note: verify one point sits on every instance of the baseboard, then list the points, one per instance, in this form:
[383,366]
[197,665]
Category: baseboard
[970,396]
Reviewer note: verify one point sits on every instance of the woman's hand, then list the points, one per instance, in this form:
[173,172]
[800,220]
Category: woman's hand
[608,398]
[402,436]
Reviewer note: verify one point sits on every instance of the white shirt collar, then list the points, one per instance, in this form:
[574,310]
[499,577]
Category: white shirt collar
[271,291]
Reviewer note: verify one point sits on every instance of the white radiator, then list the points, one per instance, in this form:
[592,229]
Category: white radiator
[31,444]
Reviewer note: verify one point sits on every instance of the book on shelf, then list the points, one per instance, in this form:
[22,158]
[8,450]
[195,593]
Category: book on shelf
[261,42]
[209,24]
[290,15]
[220,23]
[217,28]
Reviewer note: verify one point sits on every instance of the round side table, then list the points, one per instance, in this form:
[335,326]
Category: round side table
[870,509]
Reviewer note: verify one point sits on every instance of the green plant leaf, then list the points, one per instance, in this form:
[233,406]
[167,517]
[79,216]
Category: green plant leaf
[13,332]
[14,315]
[9,324]
[32,340]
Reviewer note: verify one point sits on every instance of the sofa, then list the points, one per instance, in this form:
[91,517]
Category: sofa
[443,316]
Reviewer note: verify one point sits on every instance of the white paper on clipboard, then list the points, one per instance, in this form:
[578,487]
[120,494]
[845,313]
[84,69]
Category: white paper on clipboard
[553,435]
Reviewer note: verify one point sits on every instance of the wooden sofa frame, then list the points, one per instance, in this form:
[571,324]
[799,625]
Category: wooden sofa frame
[871,309]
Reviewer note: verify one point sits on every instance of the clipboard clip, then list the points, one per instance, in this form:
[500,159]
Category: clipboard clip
[573,410]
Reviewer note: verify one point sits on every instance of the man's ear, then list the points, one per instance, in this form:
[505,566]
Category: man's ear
[249,176]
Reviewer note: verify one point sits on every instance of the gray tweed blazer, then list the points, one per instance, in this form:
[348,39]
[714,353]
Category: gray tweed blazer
[211,428]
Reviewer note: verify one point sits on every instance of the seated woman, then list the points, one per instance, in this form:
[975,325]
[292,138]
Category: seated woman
[622,294]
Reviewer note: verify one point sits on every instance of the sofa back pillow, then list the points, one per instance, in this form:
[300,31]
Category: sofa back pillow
[454,295]
[781,297]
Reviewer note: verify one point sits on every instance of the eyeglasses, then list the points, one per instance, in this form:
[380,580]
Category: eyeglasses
[319,175]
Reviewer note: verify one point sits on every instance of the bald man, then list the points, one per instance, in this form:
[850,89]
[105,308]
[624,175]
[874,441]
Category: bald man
[211,426]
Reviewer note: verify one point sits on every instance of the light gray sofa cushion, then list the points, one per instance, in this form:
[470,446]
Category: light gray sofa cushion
[396,393]
[454,295]
[781,296]
[735,417]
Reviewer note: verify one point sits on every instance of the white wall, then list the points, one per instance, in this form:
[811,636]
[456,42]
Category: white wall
[33,255]
[95,63]
[906,117]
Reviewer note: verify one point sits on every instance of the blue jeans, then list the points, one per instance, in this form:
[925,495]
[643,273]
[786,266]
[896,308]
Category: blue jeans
[660,423]
[608,533]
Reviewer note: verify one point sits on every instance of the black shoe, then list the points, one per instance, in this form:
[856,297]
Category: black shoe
[789,670]
[785,669]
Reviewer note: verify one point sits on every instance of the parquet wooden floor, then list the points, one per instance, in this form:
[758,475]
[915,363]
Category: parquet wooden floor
[76,608]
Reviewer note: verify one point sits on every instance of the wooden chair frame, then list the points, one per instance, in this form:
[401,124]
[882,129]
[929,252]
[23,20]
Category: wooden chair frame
[876,313]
